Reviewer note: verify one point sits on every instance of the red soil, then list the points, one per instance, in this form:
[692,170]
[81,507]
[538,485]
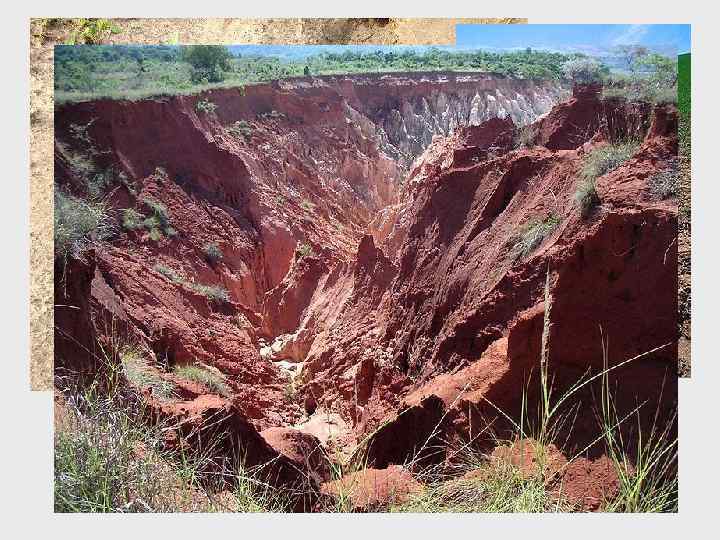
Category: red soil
[411,313]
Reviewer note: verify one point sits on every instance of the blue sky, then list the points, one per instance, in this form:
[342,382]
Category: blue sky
[594,39]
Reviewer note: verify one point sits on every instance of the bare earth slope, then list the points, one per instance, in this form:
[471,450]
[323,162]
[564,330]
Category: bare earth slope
[369,228]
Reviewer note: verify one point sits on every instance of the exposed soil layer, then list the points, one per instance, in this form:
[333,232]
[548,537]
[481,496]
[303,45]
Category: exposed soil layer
[369,230]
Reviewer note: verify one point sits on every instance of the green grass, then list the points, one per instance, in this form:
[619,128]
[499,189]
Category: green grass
[214,293]
[213,381]
[607,158]
[212,252]
[665,183]
[116,73]
[132,220]
[78,224]
[139,374]
[532,235]
[205,106]
[241,129]
[158,222]
[586,196]
[304,250]
[497,487]
[91,31]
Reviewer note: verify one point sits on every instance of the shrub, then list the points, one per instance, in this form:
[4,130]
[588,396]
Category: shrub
[241,129]
[78,223]
[304,250]
[209,62]
[205,106]
[92,31]
[586,196]
[525,137]
[159,220]
[584,70]
[132,219]
[213,381]
[169,273]
[307,205]
[213,253]
[664,184]
[214,293]
[608,158]
[140,375]
[532,235]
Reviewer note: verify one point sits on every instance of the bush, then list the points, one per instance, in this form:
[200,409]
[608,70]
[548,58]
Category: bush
[241,129]
[584,71]
[525,137]
[140,375]
[214,293]
[665,183]
[304,250]
[586,196]
[132,219]
[213,381]
[213,253]
[307,205]
[92,31]
[205,106]
[608,158]
[169,273]
[532,235]
[159,220]
[78,223]
[209,62]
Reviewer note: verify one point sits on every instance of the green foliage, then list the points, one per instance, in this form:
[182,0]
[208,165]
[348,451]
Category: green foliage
[240,129]
[214,293]
[584,70]
[664,184]
[78,223]
[525,137]
[607,158]
[213,381]
[132,219]
[205,106]
[169,273]
[651,77]
[586,196]
[532,235]
[136,72]
[304,250]
[140,375]
[495,486]
[307,205]
[92,30]
[209,62]
[212,253]
[158,222]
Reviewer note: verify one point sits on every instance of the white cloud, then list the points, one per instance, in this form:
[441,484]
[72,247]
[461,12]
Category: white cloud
[633,34]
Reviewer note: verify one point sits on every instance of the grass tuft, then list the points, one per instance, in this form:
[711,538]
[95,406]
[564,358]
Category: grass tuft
[212,253]
[213,381]
[205,106]
[665,183]
[607,158]
[532,235]
[586,196]
[78,223]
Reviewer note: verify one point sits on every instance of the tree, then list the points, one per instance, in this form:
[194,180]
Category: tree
[662,70]
[584,70]
[306,71]
[631,54]
[209,62]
